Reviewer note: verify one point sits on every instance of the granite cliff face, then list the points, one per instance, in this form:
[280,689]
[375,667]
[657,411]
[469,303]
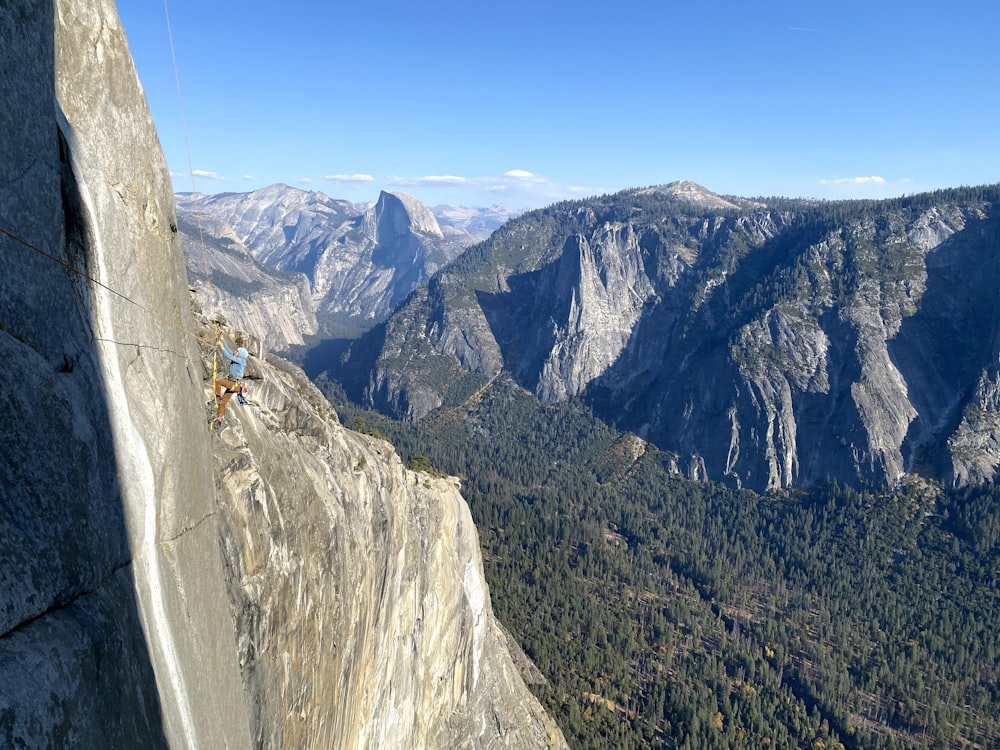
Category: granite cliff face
[362,612]
[767,344]
[115,627]
[164,586]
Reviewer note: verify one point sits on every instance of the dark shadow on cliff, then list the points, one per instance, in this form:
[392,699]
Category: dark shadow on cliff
[74,664]
[514,318]
[943,348]
[349,362]
[338,360]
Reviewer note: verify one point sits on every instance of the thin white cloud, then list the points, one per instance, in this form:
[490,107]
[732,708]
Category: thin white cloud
[348,178]
[874,179]
[524,182]
[305,181]
[206,174]
[248,177]
[446,180]
[523,178]
[518,185]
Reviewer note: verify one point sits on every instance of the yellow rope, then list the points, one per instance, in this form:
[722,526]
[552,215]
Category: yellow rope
[215,375]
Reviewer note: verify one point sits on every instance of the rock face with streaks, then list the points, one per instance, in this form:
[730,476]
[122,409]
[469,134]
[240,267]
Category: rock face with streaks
[115,627]
[361,607]
[766,344]
[278,583]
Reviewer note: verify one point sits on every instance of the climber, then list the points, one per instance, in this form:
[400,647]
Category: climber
[232,383]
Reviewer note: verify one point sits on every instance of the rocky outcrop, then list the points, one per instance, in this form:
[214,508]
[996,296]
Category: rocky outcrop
[975,446]
[363,615]
[604,281]
[768,346]
[695,194]
[397,246]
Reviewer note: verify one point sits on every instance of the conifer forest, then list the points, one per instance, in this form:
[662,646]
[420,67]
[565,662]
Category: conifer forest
[663,612]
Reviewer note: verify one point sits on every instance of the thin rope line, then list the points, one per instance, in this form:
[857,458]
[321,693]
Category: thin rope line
[91,279]
[187,148]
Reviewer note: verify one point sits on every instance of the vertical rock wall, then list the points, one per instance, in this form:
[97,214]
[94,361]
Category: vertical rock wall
[358,588]
[151,373]
[70,637]
[115,628]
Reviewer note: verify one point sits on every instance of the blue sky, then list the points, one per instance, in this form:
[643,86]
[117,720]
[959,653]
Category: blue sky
[527,103]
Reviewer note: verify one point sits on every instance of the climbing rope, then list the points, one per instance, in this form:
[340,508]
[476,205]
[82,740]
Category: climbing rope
[94,281]
[187,147]
[204,251]
[82,274]
[201,237]
[210,292]
[215,370]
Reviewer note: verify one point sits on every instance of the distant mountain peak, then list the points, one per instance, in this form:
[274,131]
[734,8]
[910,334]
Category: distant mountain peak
[359,259]
[691,192]
[406,213]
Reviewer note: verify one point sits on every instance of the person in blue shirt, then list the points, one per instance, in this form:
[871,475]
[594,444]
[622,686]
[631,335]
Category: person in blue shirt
[226,387]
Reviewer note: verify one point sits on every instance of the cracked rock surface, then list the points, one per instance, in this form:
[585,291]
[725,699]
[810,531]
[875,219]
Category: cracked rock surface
[357,587]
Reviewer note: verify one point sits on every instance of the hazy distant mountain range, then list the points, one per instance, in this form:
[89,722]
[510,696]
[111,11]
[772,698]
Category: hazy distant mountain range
[768,343]
[359,260]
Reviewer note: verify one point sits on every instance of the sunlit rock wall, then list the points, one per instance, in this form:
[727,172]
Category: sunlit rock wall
[358,588]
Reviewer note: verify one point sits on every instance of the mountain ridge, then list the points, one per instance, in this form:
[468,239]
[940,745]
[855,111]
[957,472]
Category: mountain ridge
[360,259]
[780,325]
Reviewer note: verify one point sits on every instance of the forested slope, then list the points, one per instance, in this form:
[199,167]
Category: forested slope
[681,614]
[767,343]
